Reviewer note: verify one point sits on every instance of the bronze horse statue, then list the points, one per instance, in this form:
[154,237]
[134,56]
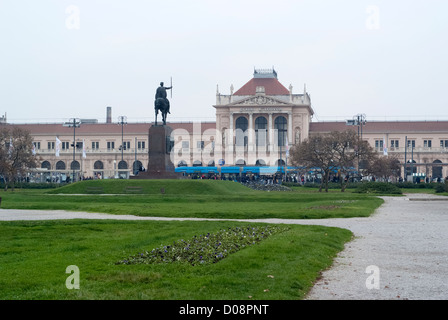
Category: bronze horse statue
[162,105]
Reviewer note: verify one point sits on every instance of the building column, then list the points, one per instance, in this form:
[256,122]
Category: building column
[250,137]
[230,134]
[271,133]
[289,128]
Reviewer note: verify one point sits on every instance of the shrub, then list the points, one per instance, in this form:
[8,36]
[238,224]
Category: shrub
[441,187]
[378,188]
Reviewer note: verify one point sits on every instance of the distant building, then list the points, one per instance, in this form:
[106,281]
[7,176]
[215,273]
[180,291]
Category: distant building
[423,144]
[255,126]
[258,122]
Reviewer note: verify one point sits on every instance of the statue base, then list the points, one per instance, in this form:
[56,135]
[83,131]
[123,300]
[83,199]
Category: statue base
[159,164]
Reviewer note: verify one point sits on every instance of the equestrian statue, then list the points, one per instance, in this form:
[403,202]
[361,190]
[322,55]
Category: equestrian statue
[161,103]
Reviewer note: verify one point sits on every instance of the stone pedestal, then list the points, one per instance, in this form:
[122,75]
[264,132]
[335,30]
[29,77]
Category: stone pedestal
[159,164]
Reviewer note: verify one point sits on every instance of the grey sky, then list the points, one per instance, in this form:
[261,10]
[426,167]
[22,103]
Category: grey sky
[386,59]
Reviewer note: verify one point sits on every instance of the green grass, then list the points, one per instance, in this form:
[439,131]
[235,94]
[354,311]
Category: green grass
[35,255]
[170,187]
[202,199]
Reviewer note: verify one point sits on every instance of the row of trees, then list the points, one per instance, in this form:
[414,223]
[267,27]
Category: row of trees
[342,151]
[16,155]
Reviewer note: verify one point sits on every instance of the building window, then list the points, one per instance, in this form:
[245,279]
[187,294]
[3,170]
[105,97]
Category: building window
[443,143]
[60,165]
[241,125]
[46,165]
[98,165]
[65,145]
[50,145]
[427,143]
[36,145]
[200,145]
[110,145]
[182,163]
[122,165]
[197,163]
[185,144]
[75,165]
[379,144]
[280,125]
[126,145]
[394,144]
[261,125]
[95,145]
[141,145]
[411,143]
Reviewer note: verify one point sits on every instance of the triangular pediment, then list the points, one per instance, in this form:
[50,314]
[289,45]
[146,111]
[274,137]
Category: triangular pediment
[259,100]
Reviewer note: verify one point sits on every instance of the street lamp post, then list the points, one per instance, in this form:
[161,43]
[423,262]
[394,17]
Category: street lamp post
[75,123]
[122,120]
[358,120]
[135,160]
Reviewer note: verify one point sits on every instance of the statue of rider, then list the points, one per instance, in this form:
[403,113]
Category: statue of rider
[161,93]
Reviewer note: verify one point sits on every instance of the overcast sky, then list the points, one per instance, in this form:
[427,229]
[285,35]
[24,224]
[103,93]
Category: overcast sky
[63,59]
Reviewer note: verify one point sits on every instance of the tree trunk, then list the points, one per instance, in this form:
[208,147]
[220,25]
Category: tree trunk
[327,176]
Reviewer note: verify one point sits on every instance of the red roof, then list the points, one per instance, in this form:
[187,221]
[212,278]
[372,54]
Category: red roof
[383,126]
[108,128]
[271,86]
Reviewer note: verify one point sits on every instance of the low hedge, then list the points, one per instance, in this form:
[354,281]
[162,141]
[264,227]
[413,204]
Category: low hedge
[377,188]
[441,187]
[32,185]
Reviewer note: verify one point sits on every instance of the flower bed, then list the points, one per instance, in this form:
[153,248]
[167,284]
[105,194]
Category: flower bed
[207,248]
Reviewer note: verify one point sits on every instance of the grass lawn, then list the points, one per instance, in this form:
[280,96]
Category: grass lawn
[194,198]
[34,257]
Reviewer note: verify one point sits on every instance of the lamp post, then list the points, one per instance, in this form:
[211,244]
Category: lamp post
[135,160]
[358,120]
[122,120]
[75,123]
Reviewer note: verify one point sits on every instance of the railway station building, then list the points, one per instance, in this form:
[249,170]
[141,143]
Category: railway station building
[255,127]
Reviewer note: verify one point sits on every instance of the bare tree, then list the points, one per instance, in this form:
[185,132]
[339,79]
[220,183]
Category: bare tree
[16,156]
[338,150]
[316,151]
[384,167]
[350,150]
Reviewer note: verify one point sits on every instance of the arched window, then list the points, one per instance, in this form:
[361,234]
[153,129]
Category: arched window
[46,165]
[261,124]
[411,167]
[280,125]
[182,163]
[98,165]
[240,162]
[260,162]
[437,169]
[122,165]
[280,162]
[197,163]
[60,165]
[241,125]
[75,165]
[138,166]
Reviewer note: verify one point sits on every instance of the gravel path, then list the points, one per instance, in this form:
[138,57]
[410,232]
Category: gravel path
[400,252]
